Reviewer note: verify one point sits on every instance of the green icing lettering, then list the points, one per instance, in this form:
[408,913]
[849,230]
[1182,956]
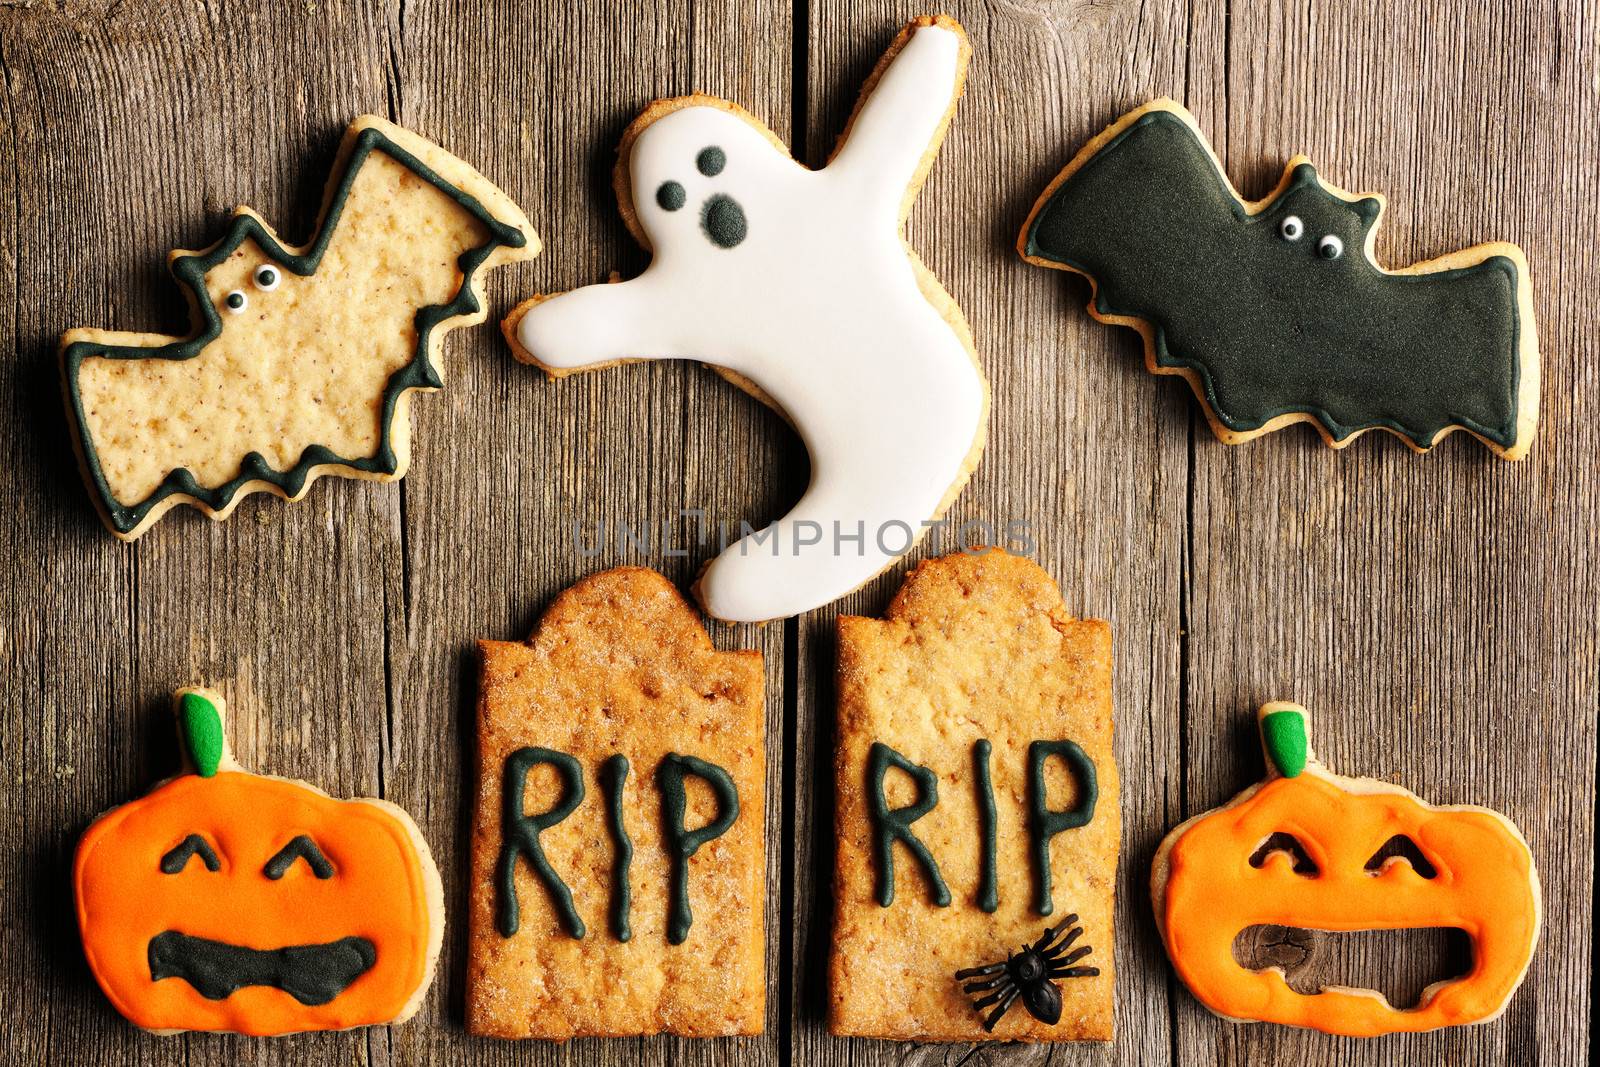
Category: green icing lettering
[613,775]
[682,843]
[1044,824]
[988,875]
[894,824]
[519,835]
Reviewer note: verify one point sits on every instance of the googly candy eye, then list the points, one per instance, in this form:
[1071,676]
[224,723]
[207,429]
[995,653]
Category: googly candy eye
[266,277]
[1330,247]
[1291,228]
[235,301]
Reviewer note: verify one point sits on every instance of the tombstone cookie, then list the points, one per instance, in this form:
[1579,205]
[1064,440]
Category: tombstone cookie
[797,286]
[1311,850]
[231,901]
[1276,311]
[301,359]
[618,871]
[977,813]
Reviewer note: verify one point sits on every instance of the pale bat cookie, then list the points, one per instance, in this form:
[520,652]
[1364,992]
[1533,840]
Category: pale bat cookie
[302,358]
[977,820]
[618,858]
[244,903]
[1312,850]
[798,286]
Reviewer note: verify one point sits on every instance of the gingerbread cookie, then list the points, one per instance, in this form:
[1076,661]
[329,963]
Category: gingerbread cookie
[1312,850]
[977,818]
[797,285]
[1276,311]
[240,902]
[618,870]
[301,359]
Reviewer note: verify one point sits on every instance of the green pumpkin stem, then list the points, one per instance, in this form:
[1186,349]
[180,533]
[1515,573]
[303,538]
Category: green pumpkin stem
[200,730]
[1286,738]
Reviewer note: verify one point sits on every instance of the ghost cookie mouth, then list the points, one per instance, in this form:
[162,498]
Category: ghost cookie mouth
[311,974]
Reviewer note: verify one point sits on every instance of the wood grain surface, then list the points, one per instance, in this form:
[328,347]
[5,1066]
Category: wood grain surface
[1437,613]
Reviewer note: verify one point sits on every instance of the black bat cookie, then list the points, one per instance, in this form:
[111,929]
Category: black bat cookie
[1275,311]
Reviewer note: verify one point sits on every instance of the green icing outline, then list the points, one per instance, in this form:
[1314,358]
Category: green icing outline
[190,271]
[1286,740]
[1303,175]
[200,729]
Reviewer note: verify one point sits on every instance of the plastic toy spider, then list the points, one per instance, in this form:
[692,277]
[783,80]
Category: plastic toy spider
[1029,973]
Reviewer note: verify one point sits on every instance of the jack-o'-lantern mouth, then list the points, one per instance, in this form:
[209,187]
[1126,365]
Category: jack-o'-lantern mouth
[1402,965]
[311,974]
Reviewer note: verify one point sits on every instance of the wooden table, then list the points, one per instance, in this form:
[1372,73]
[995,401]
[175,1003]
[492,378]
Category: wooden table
[1438,613]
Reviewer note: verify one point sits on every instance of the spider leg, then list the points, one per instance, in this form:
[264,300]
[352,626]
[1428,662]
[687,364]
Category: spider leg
[1072,957]
[1061,946]
[979,972]
[1006,989]
[1074,972]
[979,985]
[994,1016]
[1050,934]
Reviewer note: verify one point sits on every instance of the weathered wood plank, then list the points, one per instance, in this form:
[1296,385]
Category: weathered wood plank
[1079,447]
[1424,608]
[504,507]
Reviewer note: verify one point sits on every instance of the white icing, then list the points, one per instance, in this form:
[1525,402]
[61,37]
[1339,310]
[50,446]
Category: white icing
[819,306]
[1291,227]
[1330,247]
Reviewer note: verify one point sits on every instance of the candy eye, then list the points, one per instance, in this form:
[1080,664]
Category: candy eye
[1291,228]
[267,278]
[1330,247]
[235,301]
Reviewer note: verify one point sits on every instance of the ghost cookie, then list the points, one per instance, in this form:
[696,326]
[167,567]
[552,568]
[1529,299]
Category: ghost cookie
[1311,850]
[239,902]
[977,817]
[1276,311]
[618,865]
[301,358]
[798,286]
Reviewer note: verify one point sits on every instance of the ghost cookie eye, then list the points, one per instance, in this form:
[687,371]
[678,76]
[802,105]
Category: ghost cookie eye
[710,161]
[1291,228]
[670,196]
[266,277]
[236,301]
[1330,247]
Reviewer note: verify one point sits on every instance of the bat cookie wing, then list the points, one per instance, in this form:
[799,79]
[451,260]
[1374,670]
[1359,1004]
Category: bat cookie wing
[1276,311]
[301,358]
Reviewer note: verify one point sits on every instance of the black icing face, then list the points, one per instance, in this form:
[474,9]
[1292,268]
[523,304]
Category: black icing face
[722,220]
[311,974]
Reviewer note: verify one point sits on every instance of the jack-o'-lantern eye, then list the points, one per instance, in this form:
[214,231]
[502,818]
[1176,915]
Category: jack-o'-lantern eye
[1290,846]
[1401,847]
[177,858]
[301,848]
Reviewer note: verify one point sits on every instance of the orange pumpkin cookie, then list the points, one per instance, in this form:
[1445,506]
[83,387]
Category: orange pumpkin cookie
[231,901]
[1310,849]
[618,860]
[977,820]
